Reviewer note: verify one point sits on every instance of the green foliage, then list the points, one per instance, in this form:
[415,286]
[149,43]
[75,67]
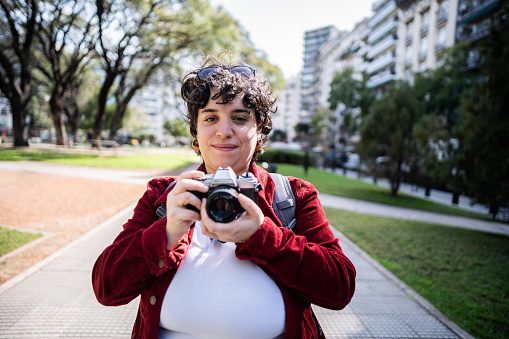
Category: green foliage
[482,129]
[282,156]
[176,127]
[387,133]
[350,92]
[278,135]
[462,273]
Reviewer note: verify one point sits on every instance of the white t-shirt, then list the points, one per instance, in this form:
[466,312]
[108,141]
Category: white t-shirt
[215,295]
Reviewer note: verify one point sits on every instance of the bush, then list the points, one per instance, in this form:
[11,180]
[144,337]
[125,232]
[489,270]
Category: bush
[282,156]
[288,156]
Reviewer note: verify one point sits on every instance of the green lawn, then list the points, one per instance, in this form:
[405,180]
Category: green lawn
[140,160]
[463,273]
[11,239]
[334,184]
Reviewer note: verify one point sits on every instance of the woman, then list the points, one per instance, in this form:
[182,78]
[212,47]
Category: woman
[248,278]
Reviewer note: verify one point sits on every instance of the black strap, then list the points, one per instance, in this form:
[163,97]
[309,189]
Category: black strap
[161,209]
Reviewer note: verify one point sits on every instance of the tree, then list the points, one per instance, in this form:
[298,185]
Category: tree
[17,31]
[386,133]
[440,92]
[65,34]
[349,91]
[483,125]
[176,127]
[353,94]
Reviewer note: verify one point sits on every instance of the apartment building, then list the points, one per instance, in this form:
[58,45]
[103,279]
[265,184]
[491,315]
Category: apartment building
[158,102]
[473,24]
[313,40]
[427,27]
[383,42]
[344,50]
[288,108]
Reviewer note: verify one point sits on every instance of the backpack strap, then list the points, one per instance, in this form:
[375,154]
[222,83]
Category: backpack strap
[284,201]
[161,209]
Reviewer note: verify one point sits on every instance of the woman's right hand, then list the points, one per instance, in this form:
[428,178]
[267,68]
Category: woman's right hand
[178,217]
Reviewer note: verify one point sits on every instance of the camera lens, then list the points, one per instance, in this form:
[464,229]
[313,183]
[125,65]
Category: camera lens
[222,204]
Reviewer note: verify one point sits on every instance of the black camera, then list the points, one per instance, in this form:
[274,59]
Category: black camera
[224,187]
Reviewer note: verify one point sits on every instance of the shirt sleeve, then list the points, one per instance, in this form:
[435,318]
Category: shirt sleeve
[138,255]
[309,261]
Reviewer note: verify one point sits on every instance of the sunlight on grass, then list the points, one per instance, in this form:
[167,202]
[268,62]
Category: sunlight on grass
[463,273]
[140,160]
[11,239]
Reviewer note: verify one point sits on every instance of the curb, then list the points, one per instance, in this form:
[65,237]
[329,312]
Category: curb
[31,270]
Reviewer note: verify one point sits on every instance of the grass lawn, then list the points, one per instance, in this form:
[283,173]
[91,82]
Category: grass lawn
[141,160]
[463,273]
[11,239]
[334,184]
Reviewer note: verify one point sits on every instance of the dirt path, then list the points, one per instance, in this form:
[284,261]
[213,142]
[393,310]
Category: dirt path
[64,207]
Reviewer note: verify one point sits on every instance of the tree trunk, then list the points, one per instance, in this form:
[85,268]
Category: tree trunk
[116,121]
[20,128]
[56,103]
[101,105]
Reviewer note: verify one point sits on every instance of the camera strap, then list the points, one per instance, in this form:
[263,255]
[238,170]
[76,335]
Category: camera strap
[283,202]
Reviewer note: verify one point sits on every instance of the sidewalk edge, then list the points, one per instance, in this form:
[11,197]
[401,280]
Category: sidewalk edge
[31,270]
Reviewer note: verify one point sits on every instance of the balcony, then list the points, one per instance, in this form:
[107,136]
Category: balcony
[381,79]
[382,46]
[380,63]
[382,30]
[471,10]
[474,32]
[382,14]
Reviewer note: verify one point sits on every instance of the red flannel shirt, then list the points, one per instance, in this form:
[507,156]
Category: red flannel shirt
[307,264]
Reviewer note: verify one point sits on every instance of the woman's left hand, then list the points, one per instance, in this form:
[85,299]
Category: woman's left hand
[238,230]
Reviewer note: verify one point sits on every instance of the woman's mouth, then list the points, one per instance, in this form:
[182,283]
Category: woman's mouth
[225,147]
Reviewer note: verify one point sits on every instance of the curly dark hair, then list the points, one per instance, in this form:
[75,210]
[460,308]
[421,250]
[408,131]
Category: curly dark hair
[256,95]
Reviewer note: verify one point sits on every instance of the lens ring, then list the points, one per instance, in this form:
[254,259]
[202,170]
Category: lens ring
[222,204]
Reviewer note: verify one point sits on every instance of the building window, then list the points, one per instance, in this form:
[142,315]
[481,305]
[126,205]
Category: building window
[425,22]
[408,55]
[441,38]
[422,66]
[443,11]
[423,48]
[410,31]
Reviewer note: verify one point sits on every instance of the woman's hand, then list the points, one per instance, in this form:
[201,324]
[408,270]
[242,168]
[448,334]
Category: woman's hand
[178,217]
[238,230]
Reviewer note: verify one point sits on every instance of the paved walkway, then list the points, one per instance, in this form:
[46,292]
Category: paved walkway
[54,298]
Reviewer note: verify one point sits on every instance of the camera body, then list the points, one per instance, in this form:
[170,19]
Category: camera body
[224,187]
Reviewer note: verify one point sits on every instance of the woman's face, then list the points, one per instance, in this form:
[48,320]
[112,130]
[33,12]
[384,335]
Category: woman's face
[227,135]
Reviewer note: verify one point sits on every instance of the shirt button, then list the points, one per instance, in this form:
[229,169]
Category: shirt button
[161,263]
[153,300]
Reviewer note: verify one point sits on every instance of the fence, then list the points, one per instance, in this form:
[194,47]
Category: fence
[442,197]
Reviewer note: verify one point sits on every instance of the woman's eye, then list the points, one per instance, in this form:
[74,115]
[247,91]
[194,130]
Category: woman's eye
[240,119]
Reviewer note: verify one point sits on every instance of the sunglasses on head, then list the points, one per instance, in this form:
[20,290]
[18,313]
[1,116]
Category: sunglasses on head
[244,71]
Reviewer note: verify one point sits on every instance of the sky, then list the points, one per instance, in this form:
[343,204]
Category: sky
[277,26]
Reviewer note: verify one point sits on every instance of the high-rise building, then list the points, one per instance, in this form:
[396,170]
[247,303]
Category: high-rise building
[313,40]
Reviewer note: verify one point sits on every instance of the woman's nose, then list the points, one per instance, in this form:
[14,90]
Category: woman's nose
[224,129]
